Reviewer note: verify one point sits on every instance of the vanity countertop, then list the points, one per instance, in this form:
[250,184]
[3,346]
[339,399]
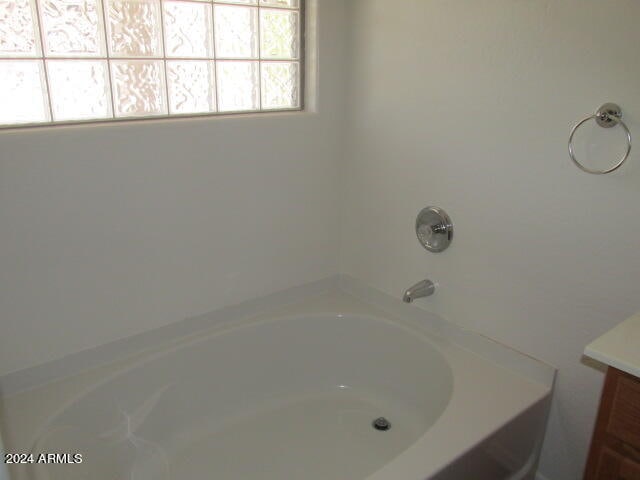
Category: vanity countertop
[619,347]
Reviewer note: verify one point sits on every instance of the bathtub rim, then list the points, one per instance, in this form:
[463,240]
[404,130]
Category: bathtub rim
[385,305]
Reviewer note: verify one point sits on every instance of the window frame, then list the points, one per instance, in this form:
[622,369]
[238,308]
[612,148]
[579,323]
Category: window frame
[301,60]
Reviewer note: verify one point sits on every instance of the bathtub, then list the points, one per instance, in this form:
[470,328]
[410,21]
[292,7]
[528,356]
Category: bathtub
[289,391]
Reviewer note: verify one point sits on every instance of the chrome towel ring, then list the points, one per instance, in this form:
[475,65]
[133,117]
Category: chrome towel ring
[608,115]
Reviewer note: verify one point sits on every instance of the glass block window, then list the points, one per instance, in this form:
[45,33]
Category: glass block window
[95,60]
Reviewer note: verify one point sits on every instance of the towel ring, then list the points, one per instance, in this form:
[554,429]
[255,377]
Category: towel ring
[608,115]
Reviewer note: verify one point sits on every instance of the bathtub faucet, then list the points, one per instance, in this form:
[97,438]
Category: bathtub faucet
[421,289]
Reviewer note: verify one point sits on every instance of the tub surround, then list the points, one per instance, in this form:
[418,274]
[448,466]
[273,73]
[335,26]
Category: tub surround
[618,347]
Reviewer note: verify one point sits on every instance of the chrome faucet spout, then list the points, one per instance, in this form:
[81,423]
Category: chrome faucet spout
[421,289]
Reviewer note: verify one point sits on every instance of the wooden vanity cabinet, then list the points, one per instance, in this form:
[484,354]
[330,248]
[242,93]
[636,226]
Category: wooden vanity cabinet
[615,446]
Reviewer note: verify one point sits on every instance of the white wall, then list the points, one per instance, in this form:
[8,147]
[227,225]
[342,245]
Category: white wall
[107,231]
[467,105]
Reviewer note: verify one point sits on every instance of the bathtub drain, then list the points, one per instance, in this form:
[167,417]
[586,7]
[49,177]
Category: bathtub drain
[381,424]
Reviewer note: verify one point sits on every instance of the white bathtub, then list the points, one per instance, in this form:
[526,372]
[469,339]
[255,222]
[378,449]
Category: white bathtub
[291,394]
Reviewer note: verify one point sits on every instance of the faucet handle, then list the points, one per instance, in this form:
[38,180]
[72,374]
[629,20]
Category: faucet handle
[434,229]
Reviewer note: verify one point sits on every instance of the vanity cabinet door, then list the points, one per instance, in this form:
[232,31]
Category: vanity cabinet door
[613,466]
[624,421]
[615,446]
[629,470]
